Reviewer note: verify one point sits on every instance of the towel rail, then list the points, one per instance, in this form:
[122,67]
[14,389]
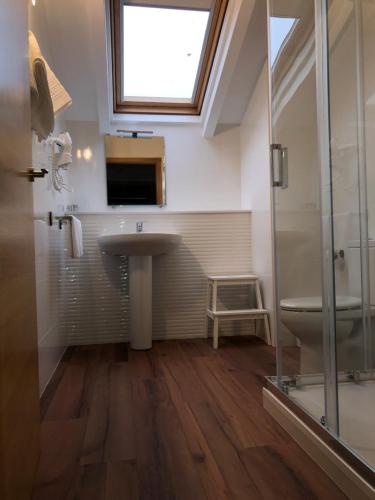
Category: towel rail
[61,219]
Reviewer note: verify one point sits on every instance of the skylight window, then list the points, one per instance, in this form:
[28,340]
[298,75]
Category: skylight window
[280,29]
[162,53]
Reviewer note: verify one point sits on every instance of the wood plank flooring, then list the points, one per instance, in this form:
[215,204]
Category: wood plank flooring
[178,422]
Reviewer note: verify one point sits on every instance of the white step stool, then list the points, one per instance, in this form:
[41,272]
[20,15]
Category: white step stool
[229,280]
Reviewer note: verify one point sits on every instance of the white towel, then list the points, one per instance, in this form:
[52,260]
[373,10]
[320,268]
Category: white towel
[60,97]
[76,236]
[48,96]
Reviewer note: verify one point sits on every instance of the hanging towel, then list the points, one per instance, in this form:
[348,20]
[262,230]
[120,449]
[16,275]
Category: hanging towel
[42,117]
[76,236]
[48,96]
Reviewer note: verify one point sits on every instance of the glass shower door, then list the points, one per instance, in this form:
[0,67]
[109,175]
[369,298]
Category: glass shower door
[322,79]
[296,199]
[351,71]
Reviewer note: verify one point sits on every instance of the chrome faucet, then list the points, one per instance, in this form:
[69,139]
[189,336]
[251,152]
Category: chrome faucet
[139,227]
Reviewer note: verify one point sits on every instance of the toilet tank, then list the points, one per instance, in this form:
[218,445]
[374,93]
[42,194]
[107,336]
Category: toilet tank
[354,269]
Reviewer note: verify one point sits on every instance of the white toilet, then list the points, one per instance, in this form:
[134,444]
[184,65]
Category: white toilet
[303,317]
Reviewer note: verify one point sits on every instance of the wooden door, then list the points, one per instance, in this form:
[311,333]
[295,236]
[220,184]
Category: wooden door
[19,399]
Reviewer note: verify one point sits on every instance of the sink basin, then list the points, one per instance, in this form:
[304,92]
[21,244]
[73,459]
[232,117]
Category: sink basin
[140,248]
[139,244]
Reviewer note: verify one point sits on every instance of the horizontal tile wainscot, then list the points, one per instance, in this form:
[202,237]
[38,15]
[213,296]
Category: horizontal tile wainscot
[96,298]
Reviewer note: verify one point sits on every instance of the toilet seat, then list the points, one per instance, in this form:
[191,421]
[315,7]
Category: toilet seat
[314,304]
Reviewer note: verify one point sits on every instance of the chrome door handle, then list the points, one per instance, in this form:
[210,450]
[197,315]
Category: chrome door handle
[279,166]
[32,174]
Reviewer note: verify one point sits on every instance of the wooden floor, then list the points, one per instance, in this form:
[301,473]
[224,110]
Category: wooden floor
[178,422]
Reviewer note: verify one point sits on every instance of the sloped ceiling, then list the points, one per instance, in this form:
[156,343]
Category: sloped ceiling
[250,62]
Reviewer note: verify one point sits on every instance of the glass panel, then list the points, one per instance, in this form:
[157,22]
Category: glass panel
[352,87]
[296,198]
[154,68]
[323,128]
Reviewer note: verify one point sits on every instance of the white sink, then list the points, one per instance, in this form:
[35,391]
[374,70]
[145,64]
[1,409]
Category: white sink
[140,248]
[139,243]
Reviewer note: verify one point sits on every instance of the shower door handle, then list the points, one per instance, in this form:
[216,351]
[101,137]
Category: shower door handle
[279,166]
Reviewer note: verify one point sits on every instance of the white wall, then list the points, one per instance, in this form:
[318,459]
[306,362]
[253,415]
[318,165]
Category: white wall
[202,174]
[344,129]
[255,184]
[343,105]
[344,134]
[297,208]
[49,241]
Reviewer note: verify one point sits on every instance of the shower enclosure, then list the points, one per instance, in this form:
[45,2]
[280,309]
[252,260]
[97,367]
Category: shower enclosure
[322,74]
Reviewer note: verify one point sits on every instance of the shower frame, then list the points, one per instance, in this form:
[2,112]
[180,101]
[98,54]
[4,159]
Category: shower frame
[328,429]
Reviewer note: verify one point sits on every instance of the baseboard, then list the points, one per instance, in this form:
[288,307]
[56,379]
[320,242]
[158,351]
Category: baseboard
[346,478]
[95,340]
[42,392]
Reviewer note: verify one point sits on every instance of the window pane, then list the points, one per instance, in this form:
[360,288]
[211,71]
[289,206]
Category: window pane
[162,52]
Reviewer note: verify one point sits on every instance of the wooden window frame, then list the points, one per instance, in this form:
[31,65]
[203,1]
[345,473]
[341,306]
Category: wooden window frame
[165,108]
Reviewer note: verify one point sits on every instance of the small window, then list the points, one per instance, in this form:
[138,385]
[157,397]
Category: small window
[163,53]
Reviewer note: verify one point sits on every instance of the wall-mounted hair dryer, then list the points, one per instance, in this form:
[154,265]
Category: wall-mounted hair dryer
[62,151]
[61,157]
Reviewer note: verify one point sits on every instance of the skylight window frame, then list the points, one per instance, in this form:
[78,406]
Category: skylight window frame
[167,106]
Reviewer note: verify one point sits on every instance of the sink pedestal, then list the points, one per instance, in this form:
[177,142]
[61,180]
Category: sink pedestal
[140,290]
[140,248]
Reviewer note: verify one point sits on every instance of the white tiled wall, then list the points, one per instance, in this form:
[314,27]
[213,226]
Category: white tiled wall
[96,297]
[49,246]
[49,243]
